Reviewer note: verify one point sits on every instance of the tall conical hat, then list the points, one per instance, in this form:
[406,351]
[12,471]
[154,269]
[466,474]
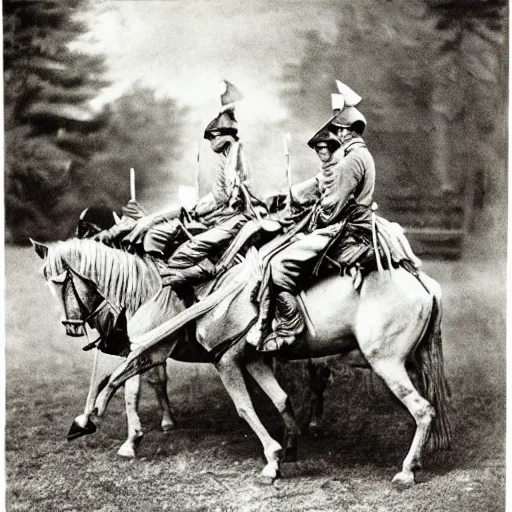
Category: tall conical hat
[229,97]
[225,122]
[345,113]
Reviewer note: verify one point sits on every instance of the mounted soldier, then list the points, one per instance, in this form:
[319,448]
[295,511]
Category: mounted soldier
[220,213]
[338,227]
[226,208]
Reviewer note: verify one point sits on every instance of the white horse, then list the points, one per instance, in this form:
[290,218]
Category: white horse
[393,319]
[89,278]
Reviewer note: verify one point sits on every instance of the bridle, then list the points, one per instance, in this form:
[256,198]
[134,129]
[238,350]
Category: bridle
[87,315]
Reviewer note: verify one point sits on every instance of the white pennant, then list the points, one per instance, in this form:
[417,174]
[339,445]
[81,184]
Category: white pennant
[338,101]
[351,98]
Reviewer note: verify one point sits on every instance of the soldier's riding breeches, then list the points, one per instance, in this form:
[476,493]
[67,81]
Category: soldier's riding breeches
[206,244]
[292,264]
[159,238]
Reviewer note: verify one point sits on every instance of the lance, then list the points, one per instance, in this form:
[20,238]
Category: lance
[198,168]
[286,138]
[132,184]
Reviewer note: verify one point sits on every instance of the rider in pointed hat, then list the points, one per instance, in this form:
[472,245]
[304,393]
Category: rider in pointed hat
[342,193]
[227,207]
[224,210]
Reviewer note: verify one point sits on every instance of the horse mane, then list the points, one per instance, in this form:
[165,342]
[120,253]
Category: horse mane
[125,279]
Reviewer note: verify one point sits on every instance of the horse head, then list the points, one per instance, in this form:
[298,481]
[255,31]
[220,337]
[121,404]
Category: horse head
[78,297]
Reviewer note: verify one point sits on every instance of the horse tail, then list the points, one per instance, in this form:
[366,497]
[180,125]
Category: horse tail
[433,382]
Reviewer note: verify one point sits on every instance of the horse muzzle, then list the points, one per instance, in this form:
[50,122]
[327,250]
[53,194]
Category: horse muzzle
[74,328]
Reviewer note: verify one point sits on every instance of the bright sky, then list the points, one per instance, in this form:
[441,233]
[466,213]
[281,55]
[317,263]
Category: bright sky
[183,49]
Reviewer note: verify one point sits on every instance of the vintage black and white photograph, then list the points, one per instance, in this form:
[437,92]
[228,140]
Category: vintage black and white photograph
[255,255]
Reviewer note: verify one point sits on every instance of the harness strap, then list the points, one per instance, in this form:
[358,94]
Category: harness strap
[92,344]
[302,304]
[102,304]
[385,247]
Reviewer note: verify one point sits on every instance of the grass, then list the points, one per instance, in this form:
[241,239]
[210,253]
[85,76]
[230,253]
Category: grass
[210,462]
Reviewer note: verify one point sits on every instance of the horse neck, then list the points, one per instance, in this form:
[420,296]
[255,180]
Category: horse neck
[125,280]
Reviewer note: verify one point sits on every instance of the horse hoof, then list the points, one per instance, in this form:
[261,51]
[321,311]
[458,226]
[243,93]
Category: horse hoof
[126,452]
[269,474]
[168,427]
[78,430]
[403,480]
[290,454]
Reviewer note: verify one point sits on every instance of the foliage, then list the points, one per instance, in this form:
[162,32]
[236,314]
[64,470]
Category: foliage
[47,88]
[143,133]
[473,66]
[433,82]
[61,155]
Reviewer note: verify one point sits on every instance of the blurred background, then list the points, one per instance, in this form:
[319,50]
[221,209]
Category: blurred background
[93,88]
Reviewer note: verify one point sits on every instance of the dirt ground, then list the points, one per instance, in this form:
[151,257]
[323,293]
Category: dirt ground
[210,462]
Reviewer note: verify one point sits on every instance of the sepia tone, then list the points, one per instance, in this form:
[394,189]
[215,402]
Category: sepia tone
[94,88]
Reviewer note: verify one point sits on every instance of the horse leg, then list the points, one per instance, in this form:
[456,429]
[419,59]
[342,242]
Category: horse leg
[320,377]
[131,399]
[131,367]
[233,380]
[394,374]
[157,378]
[267,381]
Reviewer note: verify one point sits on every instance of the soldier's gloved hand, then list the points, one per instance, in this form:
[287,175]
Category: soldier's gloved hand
[133,210]
[143,225]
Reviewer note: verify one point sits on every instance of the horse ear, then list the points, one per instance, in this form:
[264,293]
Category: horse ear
[117,219]
[41,249]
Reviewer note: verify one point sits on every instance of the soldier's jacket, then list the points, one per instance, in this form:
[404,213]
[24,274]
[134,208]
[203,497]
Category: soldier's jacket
[349,176]
[226,197]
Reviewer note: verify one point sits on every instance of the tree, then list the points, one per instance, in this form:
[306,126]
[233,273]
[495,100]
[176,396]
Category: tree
[143,132]
[472,67]
[61,156]
[433,83]
[47,89]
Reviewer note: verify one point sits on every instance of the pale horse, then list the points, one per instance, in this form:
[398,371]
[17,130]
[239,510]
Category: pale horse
[83,306]
[392,319]
[125,281]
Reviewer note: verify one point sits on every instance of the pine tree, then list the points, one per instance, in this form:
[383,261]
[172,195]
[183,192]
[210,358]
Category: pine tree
[471,72]
[47,87]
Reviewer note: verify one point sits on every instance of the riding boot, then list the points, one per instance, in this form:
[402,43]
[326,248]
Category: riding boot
[289,323]
[190,276]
